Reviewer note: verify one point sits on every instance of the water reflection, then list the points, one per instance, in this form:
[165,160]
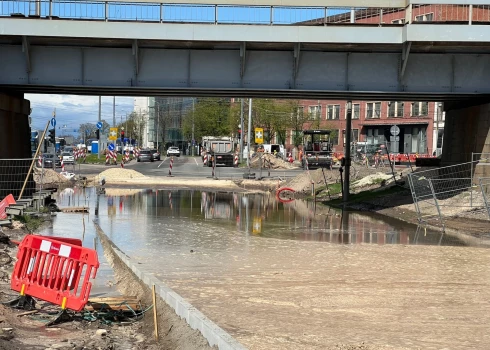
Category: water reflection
[254,214]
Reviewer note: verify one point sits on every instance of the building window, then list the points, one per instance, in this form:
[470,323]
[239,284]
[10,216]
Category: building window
[420,109]
[355,135]
[398,21]
[334,137]
[428,17]
[395,109]
[333,112]
[300,110]
[373,110]
[356,111]
[315,112]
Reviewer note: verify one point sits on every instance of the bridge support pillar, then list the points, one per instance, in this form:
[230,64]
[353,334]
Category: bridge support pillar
[466,130]
[15,135]
[15,143]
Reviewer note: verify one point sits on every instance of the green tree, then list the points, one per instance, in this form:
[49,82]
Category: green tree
[210,117]
[297,120]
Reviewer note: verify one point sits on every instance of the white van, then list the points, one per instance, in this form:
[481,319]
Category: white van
[272,148]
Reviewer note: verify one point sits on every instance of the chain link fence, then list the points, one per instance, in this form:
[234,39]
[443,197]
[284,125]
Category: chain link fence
[450,191]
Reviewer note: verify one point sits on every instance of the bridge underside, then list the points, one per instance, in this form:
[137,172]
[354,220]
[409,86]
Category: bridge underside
[96,66]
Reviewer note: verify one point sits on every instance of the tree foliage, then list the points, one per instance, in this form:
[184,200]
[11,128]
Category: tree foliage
[210,117]
[87,130]
[134,126]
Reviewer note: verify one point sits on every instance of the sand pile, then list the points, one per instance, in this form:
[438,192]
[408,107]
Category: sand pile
[302,182]
[49,176]
[275,163]
[119,174]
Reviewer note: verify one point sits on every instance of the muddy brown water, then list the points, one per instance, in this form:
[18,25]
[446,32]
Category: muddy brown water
[297,275]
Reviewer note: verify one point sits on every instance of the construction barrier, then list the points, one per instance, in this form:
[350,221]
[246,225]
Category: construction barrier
[62,165]
[107,158]
[171,166]
[205,161]
[235,162]
[55,271]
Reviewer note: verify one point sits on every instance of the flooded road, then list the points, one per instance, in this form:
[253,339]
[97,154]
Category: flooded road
[295,276]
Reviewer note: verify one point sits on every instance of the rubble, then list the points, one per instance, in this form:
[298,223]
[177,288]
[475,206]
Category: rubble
[275,163]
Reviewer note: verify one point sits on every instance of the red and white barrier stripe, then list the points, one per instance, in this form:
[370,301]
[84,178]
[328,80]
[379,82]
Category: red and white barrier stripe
[127,156]
[62,165]
[205,161]
[107,158]
[171,166]
[40,160]
[236,160]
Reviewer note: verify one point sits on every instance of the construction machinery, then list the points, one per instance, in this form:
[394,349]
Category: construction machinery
[317,149]
[218,150]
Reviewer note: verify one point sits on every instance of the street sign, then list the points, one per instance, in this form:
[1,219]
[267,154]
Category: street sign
[99,125]
[259,135]
[113,134]
[111,147]
[395,130]
[53,122]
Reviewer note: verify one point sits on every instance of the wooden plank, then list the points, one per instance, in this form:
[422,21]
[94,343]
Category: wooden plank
[113,299]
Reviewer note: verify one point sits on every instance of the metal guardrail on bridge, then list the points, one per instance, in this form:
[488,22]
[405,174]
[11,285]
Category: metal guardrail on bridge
[202,11]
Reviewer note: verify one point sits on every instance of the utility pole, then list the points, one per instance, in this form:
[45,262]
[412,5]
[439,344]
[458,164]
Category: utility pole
[100,116]
[242,129]
[114,112]
[348,135]
[193,110]
[158,119]
[249,131]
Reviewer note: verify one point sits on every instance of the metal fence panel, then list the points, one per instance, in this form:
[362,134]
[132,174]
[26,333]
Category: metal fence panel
[449,191]
[13,173]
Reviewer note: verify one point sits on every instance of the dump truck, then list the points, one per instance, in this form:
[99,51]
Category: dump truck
[317,149]
[219,149]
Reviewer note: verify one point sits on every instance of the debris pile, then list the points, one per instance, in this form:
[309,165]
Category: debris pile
[48,176]
[119,174]
[372,179]
[303,181]
[275,163]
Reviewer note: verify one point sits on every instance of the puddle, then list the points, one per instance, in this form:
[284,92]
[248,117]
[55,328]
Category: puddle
[132,211]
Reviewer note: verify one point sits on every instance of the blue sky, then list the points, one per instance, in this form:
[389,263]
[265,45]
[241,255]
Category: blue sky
[72,110]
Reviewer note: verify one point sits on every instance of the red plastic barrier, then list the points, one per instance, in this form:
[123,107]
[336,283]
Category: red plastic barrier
[55,271]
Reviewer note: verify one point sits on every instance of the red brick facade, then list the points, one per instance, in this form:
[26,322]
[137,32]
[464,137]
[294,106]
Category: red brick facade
[371,121]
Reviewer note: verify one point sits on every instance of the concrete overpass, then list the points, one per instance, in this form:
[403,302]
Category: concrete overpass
[116,48]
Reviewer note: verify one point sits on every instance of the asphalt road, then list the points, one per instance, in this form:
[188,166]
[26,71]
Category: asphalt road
[189,167]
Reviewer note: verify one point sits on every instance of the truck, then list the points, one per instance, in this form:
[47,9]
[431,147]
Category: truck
[317,149]
[219,149]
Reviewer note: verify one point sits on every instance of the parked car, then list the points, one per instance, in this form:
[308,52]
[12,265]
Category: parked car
[173,151]
[51,161]
[145,156]
[68,158]
[156,154]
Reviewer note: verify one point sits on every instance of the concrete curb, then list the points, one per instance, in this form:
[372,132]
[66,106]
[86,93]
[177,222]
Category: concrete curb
[215,335]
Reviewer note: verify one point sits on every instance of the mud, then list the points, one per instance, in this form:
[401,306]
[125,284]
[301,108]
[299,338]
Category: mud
[174,332]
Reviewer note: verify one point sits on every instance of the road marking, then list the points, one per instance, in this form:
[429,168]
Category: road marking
[163,161]
[195,159]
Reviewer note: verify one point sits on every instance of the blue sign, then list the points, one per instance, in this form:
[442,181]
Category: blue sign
[99,125]
[53,122]
[111,147]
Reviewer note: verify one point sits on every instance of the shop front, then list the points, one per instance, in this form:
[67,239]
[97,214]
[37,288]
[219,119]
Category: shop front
[408,138]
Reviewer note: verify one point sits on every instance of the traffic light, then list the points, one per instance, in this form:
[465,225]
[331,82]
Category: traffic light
[122,135]
[97,134]
[239,134]
[52,137]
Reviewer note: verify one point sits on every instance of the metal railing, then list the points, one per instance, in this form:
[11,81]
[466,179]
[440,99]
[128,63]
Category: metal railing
[448,191]
[245,14]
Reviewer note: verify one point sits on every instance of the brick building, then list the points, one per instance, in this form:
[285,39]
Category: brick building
[420,123]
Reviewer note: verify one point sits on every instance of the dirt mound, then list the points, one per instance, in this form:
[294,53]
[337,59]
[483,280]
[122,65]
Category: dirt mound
[119,174]
[372,179]
[275,163]
[303,181]
[48,176]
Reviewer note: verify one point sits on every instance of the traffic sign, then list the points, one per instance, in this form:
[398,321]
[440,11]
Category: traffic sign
[259,135]
[111,147]
[395,130]
[53,122]
[113,134]
[99,125]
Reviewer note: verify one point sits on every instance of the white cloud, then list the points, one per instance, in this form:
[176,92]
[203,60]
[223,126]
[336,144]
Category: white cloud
[73,110]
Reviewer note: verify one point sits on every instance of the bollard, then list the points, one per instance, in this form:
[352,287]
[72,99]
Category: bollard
[171,166]
[236,160]
[205,160]
[122,165]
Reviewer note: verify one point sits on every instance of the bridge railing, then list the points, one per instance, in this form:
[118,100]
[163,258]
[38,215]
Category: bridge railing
[457,12]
